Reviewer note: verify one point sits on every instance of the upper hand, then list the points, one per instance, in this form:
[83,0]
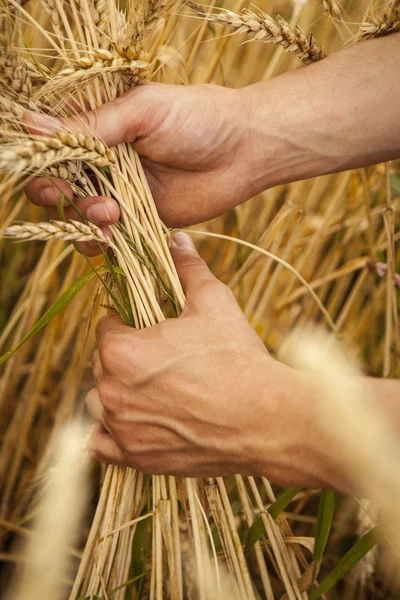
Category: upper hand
[194,147]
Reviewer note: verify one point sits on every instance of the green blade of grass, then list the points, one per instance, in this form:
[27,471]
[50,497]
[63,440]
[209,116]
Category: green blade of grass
[282,501]
[61,302]
[324,525]
[116,589]
[126,313]
[349,560]
[257,530]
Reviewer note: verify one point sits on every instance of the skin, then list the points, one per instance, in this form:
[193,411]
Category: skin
[154,407]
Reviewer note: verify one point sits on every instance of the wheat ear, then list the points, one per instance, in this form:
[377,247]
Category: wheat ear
[88,68]
[263,27]
[379,26]
[71,231]
[32,153]
[332,8]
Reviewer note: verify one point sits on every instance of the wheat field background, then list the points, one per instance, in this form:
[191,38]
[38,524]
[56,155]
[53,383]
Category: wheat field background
[338,233]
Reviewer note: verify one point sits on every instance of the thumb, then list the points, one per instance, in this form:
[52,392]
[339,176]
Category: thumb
[192,270]
[121,120]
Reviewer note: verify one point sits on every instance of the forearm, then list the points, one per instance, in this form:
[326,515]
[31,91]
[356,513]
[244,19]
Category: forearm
[338,114]
[310,457]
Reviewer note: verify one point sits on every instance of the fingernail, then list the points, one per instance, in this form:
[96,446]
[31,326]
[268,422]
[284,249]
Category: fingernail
[47,195]
[182,240]
[98,213]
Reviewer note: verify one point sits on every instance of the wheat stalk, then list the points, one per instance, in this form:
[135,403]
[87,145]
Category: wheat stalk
[263,27]
[71,231]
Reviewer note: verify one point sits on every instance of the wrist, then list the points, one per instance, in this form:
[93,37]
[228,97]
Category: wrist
[291,448]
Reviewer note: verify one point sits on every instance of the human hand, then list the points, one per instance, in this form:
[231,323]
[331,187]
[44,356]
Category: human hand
[199,395]
[193,145]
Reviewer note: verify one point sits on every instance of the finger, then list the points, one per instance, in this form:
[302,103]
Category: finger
[108,213]
[40,124]
[97,369]
[46,192]
[103,448]
[122,120]
[94,406]
[111,324]
[101,210]
[192,270]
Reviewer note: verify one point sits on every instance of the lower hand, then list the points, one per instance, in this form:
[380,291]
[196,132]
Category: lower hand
[199,395]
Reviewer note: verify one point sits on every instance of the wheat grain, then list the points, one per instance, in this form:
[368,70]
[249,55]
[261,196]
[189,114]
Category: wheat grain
[142,21]
[14,76]
[100,14]
[10,110]
[50,9]
[263,27]
[71,231]
[332,7]
[70,171]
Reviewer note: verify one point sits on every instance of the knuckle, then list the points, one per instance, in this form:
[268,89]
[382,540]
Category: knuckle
[140,464]
[90,120]
[213,294]
[93,449]
[109,397]
[209,287]
[32,192]
[89,397]
[110,349]
[95,359]
[188,261]
[225,292]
